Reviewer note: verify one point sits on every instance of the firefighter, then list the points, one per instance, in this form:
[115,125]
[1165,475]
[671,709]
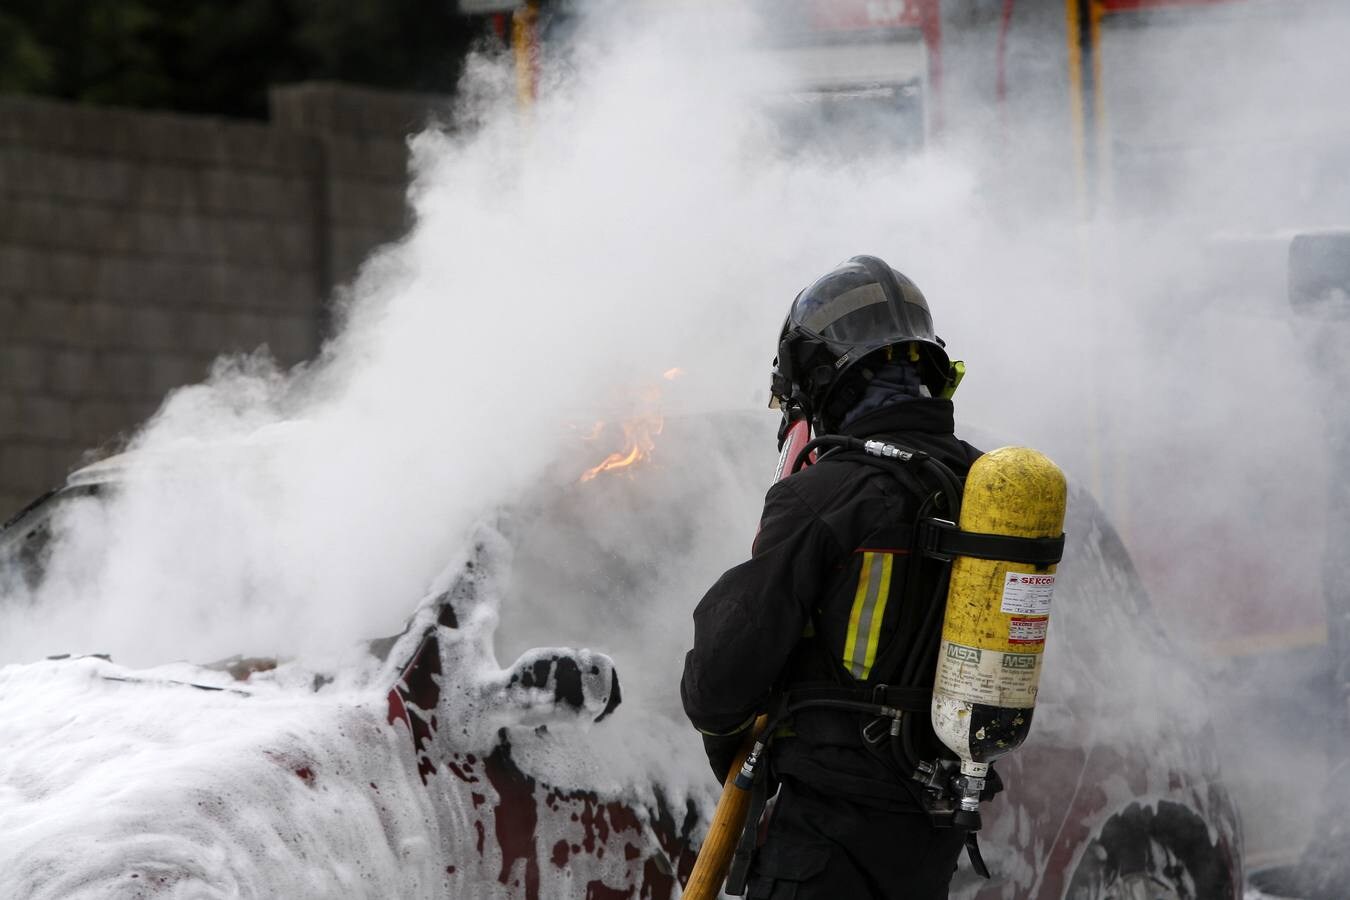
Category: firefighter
[833,599]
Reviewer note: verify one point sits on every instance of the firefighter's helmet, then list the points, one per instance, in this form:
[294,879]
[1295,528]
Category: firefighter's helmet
[844,319]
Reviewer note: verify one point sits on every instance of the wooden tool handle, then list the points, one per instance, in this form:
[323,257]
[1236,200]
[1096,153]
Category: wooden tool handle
[714,857]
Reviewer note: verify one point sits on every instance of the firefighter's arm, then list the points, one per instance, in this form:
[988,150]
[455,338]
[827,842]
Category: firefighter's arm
[748,623]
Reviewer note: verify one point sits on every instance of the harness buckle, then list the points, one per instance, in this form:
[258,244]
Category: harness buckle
[887,723]
[931,538]
[877,730]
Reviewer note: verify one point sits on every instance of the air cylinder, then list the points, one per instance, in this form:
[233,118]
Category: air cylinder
[994,629]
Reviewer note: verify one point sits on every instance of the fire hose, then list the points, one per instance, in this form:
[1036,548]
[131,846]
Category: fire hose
[728,821]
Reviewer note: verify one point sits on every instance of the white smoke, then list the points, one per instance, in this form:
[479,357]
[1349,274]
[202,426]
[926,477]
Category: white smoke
[642,215]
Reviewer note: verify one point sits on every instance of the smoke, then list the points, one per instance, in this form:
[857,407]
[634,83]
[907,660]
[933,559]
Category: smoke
[645,214]
[637,218]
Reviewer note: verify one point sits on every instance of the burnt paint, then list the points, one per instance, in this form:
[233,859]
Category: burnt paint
[615,696]
[516,816]
[564,673]
[415,697]
[598,890]
[461,766]
[600,822]
[1036,790]
[676,842]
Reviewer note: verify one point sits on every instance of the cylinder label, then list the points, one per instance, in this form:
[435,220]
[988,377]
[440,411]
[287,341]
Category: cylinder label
[990,677]
[1027,629]
[1027,595]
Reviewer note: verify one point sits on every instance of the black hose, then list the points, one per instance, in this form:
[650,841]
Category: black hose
[825,440]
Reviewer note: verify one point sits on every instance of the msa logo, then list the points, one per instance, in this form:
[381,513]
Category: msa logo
[963,654]
[1019,661]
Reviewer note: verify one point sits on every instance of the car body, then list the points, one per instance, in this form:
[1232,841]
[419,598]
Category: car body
[430,770]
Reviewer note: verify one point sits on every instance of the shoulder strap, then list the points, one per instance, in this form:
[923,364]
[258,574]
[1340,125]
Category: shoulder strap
[886,668]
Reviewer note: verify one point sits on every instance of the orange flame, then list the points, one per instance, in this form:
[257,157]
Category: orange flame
[638,431]
[638,445]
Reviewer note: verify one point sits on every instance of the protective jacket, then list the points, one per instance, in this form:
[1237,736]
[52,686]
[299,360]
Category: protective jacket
[822,596]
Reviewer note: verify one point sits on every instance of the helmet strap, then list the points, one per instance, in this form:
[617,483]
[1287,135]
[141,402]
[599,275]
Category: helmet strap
[954,376]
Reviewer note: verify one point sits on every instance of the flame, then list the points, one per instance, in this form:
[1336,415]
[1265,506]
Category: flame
[638,437]
[639,431]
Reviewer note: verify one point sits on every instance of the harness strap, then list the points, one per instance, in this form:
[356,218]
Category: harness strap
[905,699]
[739,870]
[976,857]
[944,540]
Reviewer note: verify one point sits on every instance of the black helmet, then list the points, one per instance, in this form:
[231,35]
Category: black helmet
[859,308]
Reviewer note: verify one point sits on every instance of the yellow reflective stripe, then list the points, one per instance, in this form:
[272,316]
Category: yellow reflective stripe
[869,608]
[859,602]
[874,633]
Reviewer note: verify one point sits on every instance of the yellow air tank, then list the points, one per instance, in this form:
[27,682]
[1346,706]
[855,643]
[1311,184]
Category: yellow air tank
[993,633]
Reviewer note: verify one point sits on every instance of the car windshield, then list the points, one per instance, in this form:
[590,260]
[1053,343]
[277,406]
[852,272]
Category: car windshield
[25,539]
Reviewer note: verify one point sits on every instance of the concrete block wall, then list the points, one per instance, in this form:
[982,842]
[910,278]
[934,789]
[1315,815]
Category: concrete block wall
[137,247]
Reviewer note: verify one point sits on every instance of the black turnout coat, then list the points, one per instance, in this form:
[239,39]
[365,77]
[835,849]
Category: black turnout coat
[820,598]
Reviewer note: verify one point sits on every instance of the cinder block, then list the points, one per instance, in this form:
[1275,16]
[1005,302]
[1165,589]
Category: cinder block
[80,373]
[31,319]
[9,415]
[160,137]
[265,149]
[206,330]
[103,324]
[43,417]
[158,327]
[62,459]
[72,372]
[166,188]
[31,221]
[100,179]
[24,467]
[383,204]
[15,265]
[257,242]
[125,374]
[11,502]
[171,370]
[274,196]
[332,107]
[187,235]
[153,280]
[350,247]
[293,338]
[100,420]
[268,288]
[22,367]
[248,330]
[52,174]
[376,159]
[46,271]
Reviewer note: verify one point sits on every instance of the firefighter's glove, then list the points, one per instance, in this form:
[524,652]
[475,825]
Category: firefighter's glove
[992,785]
[722,750]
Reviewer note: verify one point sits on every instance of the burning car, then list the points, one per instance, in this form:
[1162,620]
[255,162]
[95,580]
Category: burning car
[428,769]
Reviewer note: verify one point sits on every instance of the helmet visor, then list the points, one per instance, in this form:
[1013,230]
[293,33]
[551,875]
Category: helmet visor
[864,315]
